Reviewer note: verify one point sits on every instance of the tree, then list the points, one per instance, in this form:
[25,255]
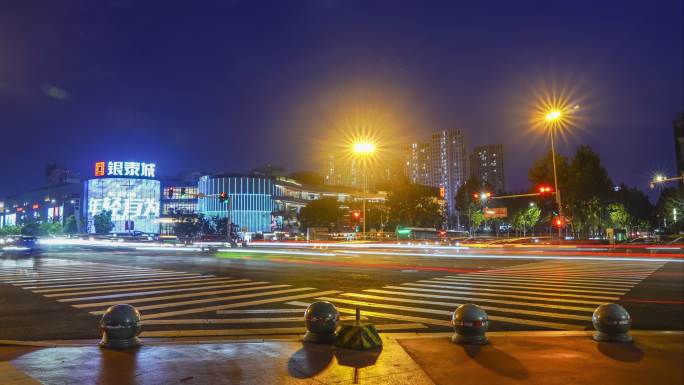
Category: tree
[618,216]
[10,230]
[637,204]
[588,217]
[541,171]
[670,209]
[476,217]
[186,226]
[50,228]
[465,203]
[414,205]
[526,218]
[220,226]
[587,177]
[464,195]
[323,212]
[31,228]
[584,185]
[71,225]
[103,222]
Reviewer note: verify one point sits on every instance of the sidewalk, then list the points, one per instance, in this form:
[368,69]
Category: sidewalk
[512,358]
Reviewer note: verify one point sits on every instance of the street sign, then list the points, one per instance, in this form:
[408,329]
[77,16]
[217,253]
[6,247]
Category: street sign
[495,212]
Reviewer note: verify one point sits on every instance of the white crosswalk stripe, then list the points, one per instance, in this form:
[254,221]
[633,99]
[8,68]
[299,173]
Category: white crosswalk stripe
[166,298]
[558,295]
[547,295]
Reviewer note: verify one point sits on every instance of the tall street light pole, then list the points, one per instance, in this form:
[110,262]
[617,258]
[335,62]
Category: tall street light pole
[362,151]
[553,118]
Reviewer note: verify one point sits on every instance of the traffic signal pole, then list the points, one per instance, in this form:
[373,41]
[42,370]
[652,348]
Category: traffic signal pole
[229,224]
[515,196]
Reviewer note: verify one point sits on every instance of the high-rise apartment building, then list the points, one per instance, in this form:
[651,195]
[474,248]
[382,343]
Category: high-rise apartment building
[418,163]
[342,171]
[487,165]
[345,170]
[441,163]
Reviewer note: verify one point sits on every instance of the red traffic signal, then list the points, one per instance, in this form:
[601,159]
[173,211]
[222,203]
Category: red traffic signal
[223,197]
[558,222]
[545,189]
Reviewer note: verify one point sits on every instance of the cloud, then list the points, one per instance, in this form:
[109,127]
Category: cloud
[55,92]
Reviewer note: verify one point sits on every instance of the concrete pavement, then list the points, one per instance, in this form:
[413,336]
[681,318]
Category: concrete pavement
[269,362]
[412,358]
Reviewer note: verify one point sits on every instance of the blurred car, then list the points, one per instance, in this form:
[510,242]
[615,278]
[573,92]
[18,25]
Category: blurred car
[21,245]
[133,236]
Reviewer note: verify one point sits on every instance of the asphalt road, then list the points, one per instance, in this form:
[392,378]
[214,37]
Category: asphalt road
[264,291]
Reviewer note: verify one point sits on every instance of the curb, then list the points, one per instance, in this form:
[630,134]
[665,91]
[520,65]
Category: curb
[298,338]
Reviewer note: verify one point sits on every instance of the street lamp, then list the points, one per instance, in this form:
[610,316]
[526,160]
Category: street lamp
[554,119]
[362,150]
[660,178]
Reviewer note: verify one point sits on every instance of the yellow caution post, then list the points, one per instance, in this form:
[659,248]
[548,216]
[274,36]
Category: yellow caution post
[358,336]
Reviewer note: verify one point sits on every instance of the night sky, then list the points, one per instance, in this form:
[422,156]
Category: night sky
[231,85]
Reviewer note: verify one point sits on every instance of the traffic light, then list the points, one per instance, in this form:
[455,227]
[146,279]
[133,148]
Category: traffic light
[223,197]
[356,215]
[170,193]
[543,189]
[182,191]
[483,195]
[558,222]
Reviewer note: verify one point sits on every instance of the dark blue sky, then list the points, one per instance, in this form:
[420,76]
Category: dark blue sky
[230,85]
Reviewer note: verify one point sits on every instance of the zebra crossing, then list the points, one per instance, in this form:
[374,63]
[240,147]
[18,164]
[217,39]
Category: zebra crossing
[173,303]
[554,294]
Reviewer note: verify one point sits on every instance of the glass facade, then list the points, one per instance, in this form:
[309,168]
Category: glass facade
[250,200]
[179,200]
[129,199]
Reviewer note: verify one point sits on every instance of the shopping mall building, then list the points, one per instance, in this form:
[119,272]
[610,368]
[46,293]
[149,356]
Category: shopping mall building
[141,201]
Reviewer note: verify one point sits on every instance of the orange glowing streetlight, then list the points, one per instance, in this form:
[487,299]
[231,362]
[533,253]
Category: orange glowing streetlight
[363,149]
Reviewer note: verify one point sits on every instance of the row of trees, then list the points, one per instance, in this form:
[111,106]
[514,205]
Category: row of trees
[35,227]
[591,203]
[407,205]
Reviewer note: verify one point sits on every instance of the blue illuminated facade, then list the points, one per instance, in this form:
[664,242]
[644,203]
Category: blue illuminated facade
[251,200]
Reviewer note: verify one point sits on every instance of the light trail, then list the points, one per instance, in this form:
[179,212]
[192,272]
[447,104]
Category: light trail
[255,251]
[542,257]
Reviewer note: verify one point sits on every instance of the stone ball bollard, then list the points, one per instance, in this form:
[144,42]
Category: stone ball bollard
[470,324]
[321,320]
[120,326]
[612,323]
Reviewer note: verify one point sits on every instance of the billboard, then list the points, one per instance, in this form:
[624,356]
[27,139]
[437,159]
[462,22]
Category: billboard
[134,203]
[495,212]
[128,169]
